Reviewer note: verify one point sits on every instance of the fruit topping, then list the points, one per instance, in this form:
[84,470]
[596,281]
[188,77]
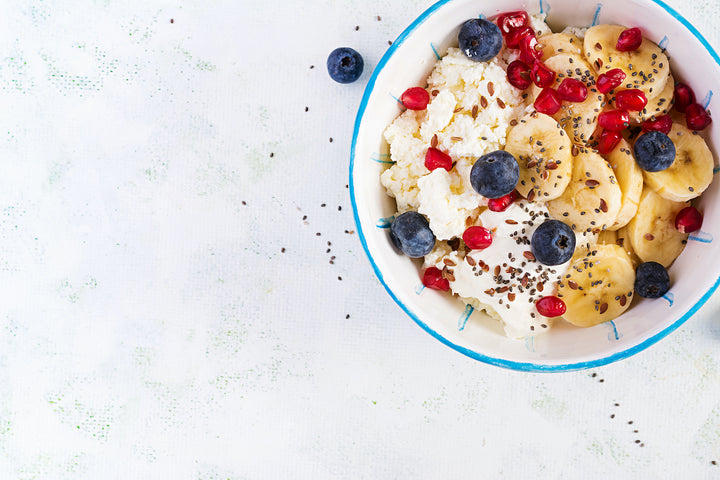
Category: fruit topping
[512,40]
[530,49]
[614,120]
[518,74]
[495,174]
[651,280]
[415,98]
[610,79]
[661,124]
[501,204]
[553,242]
[542,75]
[410,233]
[654,151]
[696,117]
[550,306]
[433,278]
[608,141]
[548,101]
[688,220]
[480,40]
[345,65]
[477,238]
[684,97]
[509,21]
[572,90]
[629,40]
[632,99]
[435,158]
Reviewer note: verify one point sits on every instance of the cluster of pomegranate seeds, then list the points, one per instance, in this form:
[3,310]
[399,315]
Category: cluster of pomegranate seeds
[433,278]
[608,141]
[662,124]
[629,40]
[542,76]
[512,39]
[614,120]
[518,74]
[572,90]
[415,98]
[518,34]
[609,80]
[684,97]
[548,101]
[477,238]
[501,204]
[688,220]
[633,99]
[550,306]
[435,158]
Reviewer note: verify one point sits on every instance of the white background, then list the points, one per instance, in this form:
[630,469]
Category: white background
[151,327]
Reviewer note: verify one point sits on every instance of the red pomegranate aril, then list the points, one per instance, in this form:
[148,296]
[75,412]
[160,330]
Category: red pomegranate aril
[614,120]
[542,76]
[633,99]
[629,40]
[510,21]
[530,49]
[608,141]
[550,306]
[477,238]
[609,80]
[512,39]
[696,117]
[433,278]
[572,90]
[661,124]
[684,97]
[435,158]
[518,74]
[548,102]
[501,204]
[415,98]
[688,220]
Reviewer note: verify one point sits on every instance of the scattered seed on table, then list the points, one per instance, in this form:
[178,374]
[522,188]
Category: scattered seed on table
[172,20]
[282,250]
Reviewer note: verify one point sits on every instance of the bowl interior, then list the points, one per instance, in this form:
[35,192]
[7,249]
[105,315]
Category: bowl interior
[408,62]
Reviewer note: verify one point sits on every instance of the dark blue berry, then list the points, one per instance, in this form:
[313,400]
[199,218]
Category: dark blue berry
[495,174]
[651,280]
[654,151]
[553,242]
[345,65]
[480,40]
[411,234]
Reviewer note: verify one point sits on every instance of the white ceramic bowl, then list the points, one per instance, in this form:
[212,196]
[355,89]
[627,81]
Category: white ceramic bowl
[694,275]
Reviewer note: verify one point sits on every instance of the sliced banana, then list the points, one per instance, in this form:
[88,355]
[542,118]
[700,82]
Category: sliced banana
[657,106]
[629,177]
[652,233]
[691,172]
[647,68]
[555,43]
[598,286]
[578,119]
[617,237]
[593,198]
[542,150]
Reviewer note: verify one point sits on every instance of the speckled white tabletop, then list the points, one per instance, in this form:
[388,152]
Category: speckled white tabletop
[183,295]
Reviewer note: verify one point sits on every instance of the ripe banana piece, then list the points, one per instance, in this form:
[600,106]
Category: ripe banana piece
[629,177]
[555,43]
[652,233]
[593,199]
[619,238]
[542,150]
[647,67]
[691,172]
[598,286]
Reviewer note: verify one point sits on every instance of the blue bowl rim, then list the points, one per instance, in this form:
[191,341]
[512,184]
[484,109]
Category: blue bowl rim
[519,366]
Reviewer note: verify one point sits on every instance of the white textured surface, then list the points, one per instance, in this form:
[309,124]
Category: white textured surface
[152,327]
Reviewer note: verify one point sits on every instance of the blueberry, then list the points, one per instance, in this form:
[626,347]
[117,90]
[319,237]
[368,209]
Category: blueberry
[495,174]
[411,234]
[345,65]
[654,151]
[651,280]
[553,242]
[480,40]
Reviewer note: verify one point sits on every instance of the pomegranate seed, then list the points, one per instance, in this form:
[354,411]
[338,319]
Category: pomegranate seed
[415,98]
[518,74]
[548,102]
[529,51]
[542,75]
[661,124]
[477,238]
[696,117]
[512,40]
[434,158]
[510,21]
[432,278]
[608,141]
[572,90]
[501,204]
[684,97]
[629,40]
[550,306]
[688,220]
[609,80]
[634,100]
[615,120]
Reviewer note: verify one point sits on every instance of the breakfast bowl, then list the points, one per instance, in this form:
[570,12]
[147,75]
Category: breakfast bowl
[694,275]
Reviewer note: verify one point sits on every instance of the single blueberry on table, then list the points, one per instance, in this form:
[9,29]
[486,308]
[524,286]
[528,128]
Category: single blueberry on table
[553,242]
[495,174]
[345,65]
[654,151]
[480,40]
[410,233]
[651,280]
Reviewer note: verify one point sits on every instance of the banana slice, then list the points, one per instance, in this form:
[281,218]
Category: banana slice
[542,150]
[598,286]
[555,43]
[618,237]
[691,172]
[657,106]
[630,179]
[647,68]
[578,119]
[593,198]
[652,233]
